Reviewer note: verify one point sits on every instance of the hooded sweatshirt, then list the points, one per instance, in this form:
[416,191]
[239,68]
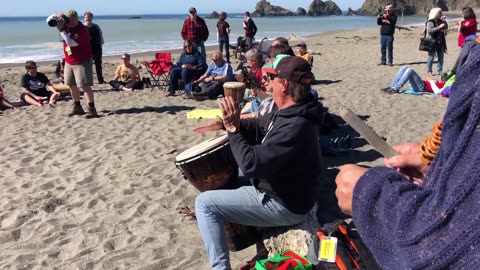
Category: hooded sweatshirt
[286,165]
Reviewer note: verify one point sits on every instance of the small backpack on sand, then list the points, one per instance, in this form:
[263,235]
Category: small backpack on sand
[351,253]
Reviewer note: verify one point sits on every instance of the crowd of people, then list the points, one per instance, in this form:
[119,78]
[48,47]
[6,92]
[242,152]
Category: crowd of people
[407,210]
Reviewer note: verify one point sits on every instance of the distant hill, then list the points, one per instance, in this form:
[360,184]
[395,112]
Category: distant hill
[411,7]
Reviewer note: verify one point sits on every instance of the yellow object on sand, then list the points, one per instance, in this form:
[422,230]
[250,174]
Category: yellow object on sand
[204,114]
[62,88]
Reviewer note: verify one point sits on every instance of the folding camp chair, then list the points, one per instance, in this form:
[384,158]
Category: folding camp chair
[159,70]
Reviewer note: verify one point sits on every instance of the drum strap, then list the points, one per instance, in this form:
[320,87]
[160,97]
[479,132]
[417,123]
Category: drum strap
[270,126]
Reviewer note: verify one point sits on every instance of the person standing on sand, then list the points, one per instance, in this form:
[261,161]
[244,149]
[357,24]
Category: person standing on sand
[250,30]
[223,29]
[96,40]
[387,22]
[195,30]
[78,61]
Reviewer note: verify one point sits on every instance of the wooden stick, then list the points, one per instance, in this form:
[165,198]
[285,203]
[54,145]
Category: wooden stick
[368,133]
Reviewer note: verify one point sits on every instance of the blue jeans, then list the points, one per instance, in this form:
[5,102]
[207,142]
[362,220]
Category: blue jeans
[387,46]
[200,46]
[404,75]
[224,42]
[440,51]
[245,205]
[254,105]
[250,41]
[175,74]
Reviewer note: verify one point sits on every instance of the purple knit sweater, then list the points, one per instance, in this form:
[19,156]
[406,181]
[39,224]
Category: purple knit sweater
[436,226]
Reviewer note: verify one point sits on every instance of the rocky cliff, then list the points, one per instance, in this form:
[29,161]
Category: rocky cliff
[264,8]
[319,8]
[410,7]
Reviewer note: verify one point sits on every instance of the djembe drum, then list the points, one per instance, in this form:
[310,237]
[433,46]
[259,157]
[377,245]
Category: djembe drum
[236,90]
[211,165]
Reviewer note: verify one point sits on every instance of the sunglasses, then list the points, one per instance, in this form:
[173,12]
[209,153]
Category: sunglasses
[269,77]
[33,68]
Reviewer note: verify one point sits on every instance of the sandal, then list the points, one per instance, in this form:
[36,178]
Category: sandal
[187,211]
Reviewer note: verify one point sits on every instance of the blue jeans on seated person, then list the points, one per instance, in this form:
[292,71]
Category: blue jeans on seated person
[254,105]
[177,73]
[404,75]
[245,205]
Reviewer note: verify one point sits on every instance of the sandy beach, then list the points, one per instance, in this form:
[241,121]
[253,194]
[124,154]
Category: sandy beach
[102,193]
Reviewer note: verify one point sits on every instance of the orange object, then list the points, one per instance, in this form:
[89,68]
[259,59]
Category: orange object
[431,144]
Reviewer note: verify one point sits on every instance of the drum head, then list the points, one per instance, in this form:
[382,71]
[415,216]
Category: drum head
[201,148]
[234,85]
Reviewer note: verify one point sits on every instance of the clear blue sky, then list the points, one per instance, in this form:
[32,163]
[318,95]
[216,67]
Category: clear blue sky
[121,7]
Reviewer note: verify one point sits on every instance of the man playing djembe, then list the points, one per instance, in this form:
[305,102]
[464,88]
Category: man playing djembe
[284,165]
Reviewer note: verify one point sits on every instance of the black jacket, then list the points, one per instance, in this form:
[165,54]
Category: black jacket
[287,164]
[251,28]
[387,29]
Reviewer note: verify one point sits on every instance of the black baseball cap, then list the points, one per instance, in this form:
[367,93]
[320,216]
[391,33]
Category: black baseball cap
[293,68]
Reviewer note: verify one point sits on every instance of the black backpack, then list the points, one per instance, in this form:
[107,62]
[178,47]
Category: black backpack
[351,251]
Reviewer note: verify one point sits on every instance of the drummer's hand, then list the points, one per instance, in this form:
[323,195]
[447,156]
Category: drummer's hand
[408,162]
[346,180]
[231,113]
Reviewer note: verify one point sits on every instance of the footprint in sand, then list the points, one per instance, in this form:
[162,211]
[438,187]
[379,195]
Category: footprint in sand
[46,186]
[86,180]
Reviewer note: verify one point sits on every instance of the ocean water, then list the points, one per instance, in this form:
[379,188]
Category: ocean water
[30,38]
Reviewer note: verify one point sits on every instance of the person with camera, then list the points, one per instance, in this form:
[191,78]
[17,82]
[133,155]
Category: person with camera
[436,29]
[78,59]
[387,21]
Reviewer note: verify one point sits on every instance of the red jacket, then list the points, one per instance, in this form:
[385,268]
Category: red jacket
[83,51]
[195,32]
[467,28]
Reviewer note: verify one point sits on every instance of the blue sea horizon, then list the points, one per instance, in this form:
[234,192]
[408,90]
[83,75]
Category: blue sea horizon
[30,38]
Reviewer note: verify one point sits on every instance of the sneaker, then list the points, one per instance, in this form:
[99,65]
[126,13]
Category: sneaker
[188,95]
[390,64]
[392,91]
[385,89]
[77,110]
[382,64]
[200,97]
[92,113]
[169,94]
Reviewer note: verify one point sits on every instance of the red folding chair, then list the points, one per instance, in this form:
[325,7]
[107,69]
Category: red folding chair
[159,70]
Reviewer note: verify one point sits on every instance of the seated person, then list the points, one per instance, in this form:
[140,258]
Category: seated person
[284,166]
[36,87]
[406,74]
[126,76]
[284,42]
[4,103]
[303,53]
[425,216]
[191,64]
[211,83]
[251,76]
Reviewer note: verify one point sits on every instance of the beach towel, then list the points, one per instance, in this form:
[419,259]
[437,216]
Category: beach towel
[416,93]
[204,114]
